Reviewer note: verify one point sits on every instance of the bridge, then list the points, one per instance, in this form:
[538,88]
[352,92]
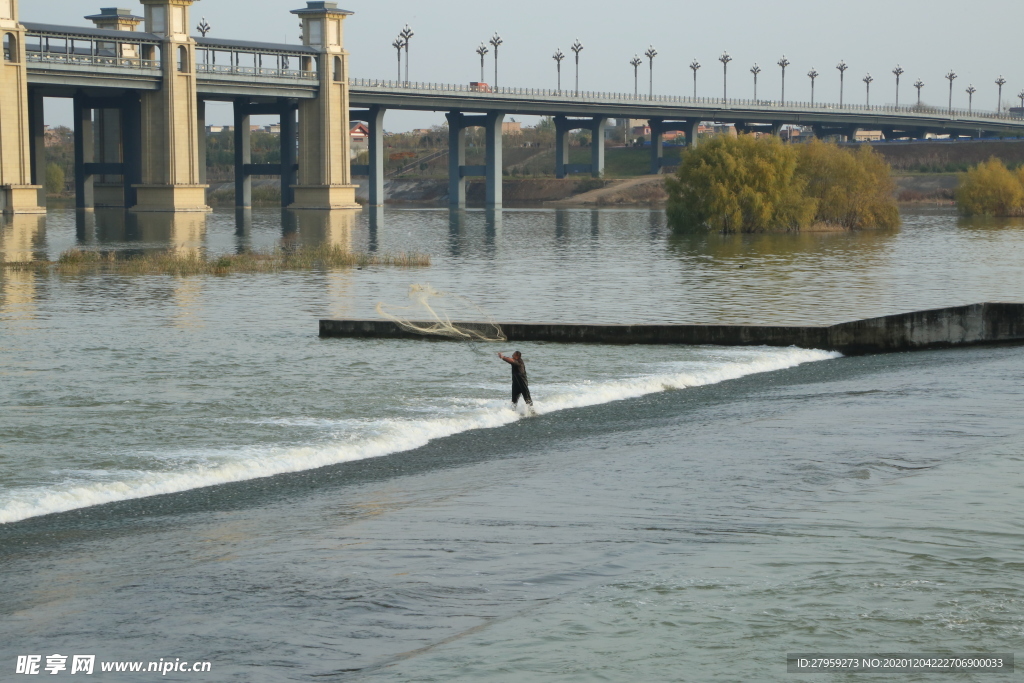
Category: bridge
[139,112]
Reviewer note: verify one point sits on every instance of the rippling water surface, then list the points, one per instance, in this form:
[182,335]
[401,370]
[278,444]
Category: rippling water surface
[186,470]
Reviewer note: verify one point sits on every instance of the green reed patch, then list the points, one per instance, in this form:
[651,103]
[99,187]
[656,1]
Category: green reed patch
[190,262]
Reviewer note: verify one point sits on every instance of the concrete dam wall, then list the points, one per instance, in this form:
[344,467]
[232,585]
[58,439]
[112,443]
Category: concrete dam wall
[985,323]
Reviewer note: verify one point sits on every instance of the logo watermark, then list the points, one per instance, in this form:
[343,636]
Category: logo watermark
[32,665]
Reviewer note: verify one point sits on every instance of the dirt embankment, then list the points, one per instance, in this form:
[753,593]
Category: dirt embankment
[947,157]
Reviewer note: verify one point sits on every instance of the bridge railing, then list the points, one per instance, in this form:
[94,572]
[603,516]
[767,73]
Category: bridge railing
[224,61]
[54,48]
[788,106]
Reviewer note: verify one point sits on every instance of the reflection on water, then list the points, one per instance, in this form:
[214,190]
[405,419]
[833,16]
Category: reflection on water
[22,238]
[583,265]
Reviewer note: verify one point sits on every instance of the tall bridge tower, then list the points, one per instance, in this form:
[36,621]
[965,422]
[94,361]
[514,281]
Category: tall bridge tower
[170,117]
[324,143]
[17,192]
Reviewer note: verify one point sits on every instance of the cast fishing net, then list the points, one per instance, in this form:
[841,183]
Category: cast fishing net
[431,312]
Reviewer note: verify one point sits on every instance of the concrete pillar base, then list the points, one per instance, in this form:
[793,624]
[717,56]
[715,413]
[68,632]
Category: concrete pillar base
[20,199]
[324,197]
[108,194]
[185,198]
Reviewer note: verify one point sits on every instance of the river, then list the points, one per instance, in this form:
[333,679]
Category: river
[188,472]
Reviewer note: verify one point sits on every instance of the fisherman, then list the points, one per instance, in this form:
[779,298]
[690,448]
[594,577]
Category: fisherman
[519,383]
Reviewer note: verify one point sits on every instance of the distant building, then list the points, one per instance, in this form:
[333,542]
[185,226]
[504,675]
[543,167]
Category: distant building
[359,135]
[511,128]
[868,136]
[219,129]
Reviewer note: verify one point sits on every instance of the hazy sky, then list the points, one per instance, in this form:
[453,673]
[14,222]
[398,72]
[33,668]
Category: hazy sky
[979,41]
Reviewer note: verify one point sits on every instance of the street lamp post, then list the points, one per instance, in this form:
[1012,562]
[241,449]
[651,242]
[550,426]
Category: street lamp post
[405,35]
[495,42]
[783,63]
[867,81]
[970,98]
[482,50]
[558,57]
[919,84]
[577,47]
[651,54]
[725,59]
[694,65]
[203,27]
[398,45]
[635,63]
[842,72]
[812,74]
[898,71]
[951,76]
[1000,82]
[755,70]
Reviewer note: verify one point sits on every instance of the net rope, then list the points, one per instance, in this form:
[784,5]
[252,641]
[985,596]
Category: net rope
[430,312]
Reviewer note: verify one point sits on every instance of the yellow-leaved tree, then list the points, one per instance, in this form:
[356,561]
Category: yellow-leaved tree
[855,190]
[991,189]
[739,185]
[747,184]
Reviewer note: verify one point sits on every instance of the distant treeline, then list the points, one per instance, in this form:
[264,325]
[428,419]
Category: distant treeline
[745,184]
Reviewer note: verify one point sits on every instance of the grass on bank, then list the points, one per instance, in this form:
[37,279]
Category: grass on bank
[173,262]
[991,189]
[751,185]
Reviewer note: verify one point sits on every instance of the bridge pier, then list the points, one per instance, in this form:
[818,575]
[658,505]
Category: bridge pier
[17,192]
[373,117]
[458,171]
[658,128]
[324,180]
[84,153]
[243,155]
[170,168]
[563,127]
[37,142]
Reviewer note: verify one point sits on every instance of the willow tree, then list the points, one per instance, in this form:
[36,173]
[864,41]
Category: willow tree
[854,190]
[991,189]
[739,185]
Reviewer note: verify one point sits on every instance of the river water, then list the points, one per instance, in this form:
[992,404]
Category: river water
[188,471]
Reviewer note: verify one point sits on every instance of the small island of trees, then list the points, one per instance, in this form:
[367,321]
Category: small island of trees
[991,189]
[748,185]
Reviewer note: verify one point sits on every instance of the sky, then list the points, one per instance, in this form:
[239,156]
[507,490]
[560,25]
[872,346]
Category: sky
[979,41]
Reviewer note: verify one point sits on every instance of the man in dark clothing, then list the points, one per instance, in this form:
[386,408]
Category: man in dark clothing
[519,383]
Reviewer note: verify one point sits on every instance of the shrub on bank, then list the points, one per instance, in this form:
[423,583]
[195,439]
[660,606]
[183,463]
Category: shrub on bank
[991,189]
[762,185]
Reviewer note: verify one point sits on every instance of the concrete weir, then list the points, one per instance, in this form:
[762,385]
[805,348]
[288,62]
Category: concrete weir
[987,323]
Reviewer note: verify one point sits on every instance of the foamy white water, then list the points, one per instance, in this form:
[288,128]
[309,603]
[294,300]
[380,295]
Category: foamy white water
[350,438]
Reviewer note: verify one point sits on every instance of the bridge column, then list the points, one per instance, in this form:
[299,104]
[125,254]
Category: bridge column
[107,188]
[17,193]
[851,134]
[37,142]
[289,152]
[690,129]
[324,144]
[131,146]
[170,140]
[201,127]
[657,148]
[374,118]
[777,128]
[597,146]
[84,153]
[492,130]
[562,130]
[456,159]
[243,155]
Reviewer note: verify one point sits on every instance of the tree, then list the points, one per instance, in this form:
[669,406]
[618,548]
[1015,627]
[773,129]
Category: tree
[54,179]
[749,185]
[854,190]
[739,185]
[991,189]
